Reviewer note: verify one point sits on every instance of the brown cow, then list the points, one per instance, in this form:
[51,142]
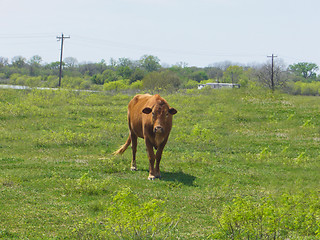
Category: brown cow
[154,128]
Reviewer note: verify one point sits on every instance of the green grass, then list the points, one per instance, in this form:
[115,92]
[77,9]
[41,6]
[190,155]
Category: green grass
[58,178]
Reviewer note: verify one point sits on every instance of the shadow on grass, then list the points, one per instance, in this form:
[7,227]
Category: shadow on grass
[180,177]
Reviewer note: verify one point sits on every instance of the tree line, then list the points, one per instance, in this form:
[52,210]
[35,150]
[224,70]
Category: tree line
[148,73]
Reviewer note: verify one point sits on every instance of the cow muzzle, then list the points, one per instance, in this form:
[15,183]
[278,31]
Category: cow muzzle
[158,129]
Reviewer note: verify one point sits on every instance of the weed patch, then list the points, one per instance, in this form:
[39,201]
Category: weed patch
[87,185]
[127,217]
[270,217]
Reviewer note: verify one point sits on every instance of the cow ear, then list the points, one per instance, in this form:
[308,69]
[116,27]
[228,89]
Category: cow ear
[147,110]
[172,111]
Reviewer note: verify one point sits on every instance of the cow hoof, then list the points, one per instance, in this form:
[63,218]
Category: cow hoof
[133,169]
[158,177]
[151,178]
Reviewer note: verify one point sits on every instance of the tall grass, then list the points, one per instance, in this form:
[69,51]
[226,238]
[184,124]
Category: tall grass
[230,153]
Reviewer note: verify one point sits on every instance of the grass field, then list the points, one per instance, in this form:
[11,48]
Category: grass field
[239,164]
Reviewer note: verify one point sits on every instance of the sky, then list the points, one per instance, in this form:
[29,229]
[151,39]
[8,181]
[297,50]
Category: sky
[196,32]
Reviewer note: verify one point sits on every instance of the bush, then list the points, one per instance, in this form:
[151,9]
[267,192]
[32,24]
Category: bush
[303,88]
[97,79]
[52,82]
[129,218]
[14,77]
[191,84]
[85,85]
[243,81]
[71,82]
[199,76]
[25,80]
[137,75]
[87,185]
[310,88]
[293,88]
[2,75]
[166,80]
[109,76]
[33,81]
[270,218]
[136,85]
[116,85]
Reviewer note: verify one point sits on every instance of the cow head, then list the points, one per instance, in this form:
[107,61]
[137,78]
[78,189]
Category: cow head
[161,116]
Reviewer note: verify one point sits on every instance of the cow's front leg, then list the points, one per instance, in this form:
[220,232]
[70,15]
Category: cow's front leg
[158,159]
[134,142]
[151,157]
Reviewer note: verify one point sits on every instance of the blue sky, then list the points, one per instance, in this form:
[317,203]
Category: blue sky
[198,32]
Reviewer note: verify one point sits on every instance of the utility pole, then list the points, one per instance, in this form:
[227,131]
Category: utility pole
[272,66]
[60,71]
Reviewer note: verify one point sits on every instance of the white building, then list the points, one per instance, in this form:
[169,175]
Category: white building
[219,85]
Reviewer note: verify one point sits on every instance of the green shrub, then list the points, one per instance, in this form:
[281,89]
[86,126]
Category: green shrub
[136,85]
[191,84]
[109,76]
[85,85]
[90,186]
[116,85]
[166,80]
[72,82]
[129,218]
[243,81]
[304,88]
[52,82]
[310,89]
[294,88]
[199,76]
[270,218]
[32,81]
[14,77]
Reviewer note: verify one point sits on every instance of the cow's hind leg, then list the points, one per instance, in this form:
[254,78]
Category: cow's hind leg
[134,143]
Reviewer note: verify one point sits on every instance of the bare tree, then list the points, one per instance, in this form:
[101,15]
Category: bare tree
[272,76]
[18,61]
[4,61]
[71,62]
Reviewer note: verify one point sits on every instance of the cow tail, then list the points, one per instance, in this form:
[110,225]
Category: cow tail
[123,147]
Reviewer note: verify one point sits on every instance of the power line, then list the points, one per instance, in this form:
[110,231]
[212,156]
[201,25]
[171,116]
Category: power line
[99,43]
[28,35]
[60,71]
